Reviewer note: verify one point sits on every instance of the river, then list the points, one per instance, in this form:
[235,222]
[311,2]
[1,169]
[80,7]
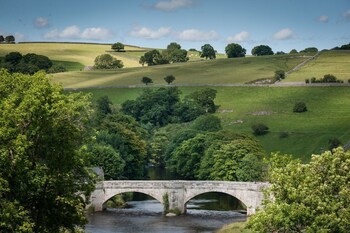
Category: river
[205,213]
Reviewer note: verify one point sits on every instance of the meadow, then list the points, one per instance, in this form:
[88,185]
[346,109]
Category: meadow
[219,71]
[241,107]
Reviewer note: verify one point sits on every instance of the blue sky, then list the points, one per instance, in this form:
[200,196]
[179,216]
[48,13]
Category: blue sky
[281,24]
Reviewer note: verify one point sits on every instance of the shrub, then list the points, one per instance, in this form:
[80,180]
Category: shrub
[300,107]
[307,80]
[279,74]
[56,68]
[260,129]
[313,80]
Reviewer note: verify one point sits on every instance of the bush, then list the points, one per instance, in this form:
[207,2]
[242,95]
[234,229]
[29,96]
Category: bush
[349,80]
[106,61]
[307,80]
[56,68]
[279,75]
[260,129]
[300,107]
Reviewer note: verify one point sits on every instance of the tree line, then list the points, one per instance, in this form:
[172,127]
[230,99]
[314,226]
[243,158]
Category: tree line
[10,39]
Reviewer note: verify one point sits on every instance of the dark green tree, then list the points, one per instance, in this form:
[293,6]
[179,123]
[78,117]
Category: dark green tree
[235,50]
[146,80]
[207,123]
[279,75]
[208,51]
[262,50]
[173,46]
[142,60]
[169,78]
[2,39]
[118,47]
[153,57]
[260,129]
[205,99]
[106,61]
[300,107]
[309,50]
[293,51]
[42,165]
[10,39]
[174,53]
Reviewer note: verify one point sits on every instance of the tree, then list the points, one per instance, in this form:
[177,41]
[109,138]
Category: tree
[10,39]
[311,197]
[262,50]
[27,64]
[300,107]
[106,61]
[118,47]
[279,75]
[293,51]
[169,79]
[142,60]
[260,129]
[234,50]
[205,99]
[309,50]
[173,46]
[2,39]
[174,53]
[153,57]
[146,80]
[208,123]
[329,78]
[43,168]
[208,51]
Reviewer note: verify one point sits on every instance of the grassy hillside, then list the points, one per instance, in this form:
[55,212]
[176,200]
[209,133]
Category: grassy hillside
[71,52]
[219,71]
[240,107]
[329,62]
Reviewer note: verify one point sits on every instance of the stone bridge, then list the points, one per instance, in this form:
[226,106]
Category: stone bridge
[179,192]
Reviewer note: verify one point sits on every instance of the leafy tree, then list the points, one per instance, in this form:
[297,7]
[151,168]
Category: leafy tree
[235,50]
[118,47]
[205,99]
[106,61]
[192,50]
[14,58]
[153,57]
[208,123]
[300,107]
[146,80]
[173,46]
[262,50]
[56,68]
[280,53]
[280,74]
[105,157]
[2,39]
[142,60]
[174,53]
[260,129]
[311,197]
[329,78]
[10,39]
[103,108]
[293,51]
[41,164]
[169,79]
[309,50]
[208,51]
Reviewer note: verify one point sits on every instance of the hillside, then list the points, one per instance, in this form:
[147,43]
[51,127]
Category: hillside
[328,62]
[219,71]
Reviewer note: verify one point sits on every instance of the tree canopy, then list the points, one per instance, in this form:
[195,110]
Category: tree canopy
[169,78]
[313,197]
[262,50]
[106,61]
[235,50]
[118,47]
[42,167]
[208,51]
[10,39]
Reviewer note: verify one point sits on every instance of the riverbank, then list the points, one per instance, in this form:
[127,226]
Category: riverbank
[236,227]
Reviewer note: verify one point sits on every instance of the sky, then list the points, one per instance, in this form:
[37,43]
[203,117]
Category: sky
[281,24]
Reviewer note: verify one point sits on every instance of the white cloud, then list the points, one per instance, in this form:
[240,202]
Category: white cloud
[173,4]
[41,22]
[149,33]
[74,32]
[284,34]
[323,19]
[240,37]
[197,35]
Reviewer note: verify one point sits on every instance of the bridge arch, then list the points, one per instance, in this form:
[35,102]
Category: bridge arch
[150,193]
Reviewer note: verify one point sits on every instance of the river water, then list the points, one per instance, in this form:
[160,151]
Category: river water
[146,216]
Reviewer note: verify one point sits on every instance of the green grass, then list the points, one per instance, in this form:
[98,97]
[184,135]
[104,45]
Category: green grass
[329,62]
[236,227]
[70,65]
[73,52]
[328,114]
[219,71]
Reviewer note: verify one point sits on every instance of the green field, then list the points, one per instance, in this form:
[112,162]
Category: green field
[72,52]
[219,71]
[329,62]
[240,107]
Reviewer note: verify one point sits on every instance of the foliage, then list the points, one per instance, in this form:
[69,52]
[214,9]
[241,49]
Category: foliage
[41,165]
[207,123]
[334,143]
[262,50]
[146,80]
[165,203]
[169,78]
[293,51]
[313,197]
[10,39]
[235,50]
[309,50]
[56,68]
[208,51]
[343,47]
[328,78]
[106,61]
[174,53]
[300,107]
[118,47]
[279,75]
[105,157]
[260,129]
[280,53]
[27,64]
[2,39]
[205,99]
[142,60]
[153,57]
